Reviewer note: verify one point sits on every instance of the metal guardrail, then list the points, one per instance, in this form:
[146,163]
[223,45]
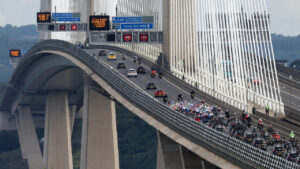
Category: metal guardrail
[291,113]
[224,145]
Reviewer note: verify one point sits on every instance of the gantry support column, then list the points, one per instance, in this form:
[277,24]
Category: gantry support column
[45,7]
[57,144]
[166,28]
[28,139]
[171,153]
[99,145]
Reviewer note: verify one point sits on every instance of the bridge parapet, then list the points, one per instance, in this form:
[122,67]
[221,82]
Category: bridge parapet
[225,146]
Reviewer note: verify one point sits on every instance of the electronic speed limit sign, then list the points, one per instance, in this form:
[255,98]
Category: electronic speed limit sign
[144,37]
[127,37]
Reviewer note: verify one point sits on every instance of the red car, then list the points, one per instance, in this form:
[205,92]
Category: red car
[159,93]
[276,136]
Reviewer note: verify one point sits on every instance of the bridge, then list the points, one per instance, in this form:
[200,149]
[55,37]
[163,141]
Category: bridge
[199,52]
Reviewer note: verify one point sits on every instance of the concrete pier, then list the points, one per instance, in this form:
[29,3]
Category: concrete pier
[28,139]
[99,145]
[171,153]
[57,135]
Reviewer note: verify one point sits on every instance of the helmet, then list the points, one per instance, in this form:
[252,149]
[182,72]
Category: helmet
[260,121]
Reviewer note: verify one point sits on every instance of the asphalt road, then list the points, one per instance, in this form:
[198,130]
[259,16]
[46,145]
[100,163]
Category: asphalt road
[142,80]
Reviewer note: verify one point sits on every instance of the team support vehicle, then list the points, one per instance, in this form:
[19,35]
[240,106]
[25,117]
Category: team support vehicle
[141,70]
[151,86]
[121,65]
[279,150]
[102,53]
[132,73]
[111,56]
[260,143]
[159,93]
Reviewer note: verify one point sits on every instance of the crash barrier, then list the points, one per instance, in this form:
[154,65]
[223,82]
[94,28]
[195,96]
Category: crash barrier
[234,150]
[288,72]
[288,76]
[278,124]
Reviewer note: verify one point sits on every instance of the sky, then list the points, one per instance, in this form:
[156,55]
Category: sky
[285,14]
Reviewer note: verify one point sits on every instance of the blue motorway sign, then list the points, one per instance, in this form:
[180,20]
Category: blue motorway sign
[66,15]
[71,19]
[127,19]
[23,52]
[60,15]
[136,26]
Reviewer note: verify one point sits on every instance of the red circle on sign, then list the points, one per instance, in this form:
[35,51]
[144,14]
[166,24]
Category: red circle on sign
[127,37]
[62,27]
[144,37]
[74,27]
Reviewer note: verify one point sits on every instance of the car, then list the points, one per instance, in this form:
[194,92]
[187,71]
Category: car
[121,65]
[240,134]
[269,140]
[279,150]
[151,86]
[102,53]
[111,56]
[249,137]
[260,143]
[131,73]
[276,136]
[197,118]
[141,69]
[220,128]
[159,93]
[293,155]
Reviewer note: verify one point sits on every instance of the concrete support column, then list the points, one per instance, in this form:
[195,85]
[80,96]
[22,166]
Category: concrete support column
[57,135]
[28,139]
[171,153]
[193,161]
[72,117]
[99,145]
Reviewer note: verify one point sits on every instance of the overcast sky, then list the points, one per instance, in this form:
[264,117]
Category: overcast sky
[285,14]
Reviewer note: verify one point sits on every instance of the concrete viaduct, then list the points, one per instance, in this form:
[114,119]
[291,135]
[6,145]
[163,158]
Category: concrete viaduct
[60,79]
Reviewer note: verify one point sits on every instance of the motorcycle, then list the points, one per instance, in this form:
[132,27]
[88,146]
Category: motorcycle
[160,75]
[192,95]
[153,75]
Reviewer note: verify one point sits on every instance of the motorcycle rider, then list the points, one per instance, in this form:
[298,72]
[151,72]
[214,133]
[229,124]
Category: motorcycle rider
[180,97]
[270,128]
[134,59]
[292,136]
[153,74]
[193,94]
[260,124]
[227,114]
[165,99]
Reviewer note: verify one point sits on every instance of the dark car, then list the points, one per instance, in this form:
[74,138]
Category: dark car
[293,155]
[102,53]
[269,140]
[240,135]
[141,69]
[151,86]
[279,150]
[220,128]
[121,65]
[249,137]
[260,143]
